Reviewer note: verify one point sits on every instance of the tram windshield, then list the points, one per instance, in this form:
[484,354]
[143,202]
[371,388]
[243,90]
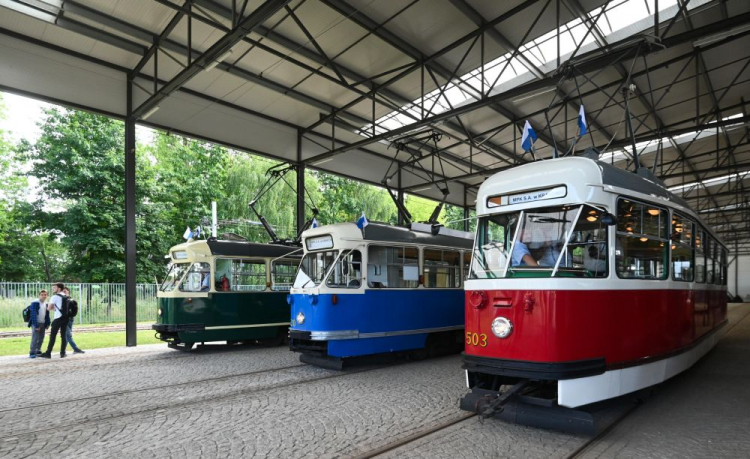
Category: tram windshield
[566,241]
[176,271]
[313,268]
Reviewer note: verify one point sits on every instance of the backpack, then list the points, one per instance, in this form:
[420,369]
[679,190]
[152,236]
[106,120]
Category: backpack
[72,308]
[27,314]
[65,308]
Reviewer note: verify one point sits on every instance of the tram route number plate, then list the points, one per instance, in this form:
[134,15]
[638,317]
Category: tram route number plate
[521,198]
[476,339]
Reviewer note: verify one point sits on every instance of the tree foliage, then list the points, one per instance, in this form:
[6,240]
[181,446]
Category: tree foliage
[72,226]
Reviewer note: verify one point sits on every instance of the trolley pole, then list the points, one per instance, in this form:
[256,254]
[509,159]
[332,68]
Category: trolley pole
[130,300]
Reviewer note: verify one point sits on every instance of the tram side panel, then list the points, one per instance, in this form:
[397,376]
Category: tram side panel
[378,320]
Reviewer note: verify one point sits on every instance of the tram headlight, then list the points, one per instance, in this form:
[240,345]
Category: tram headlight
[501,327]
[159,311]
[300,318]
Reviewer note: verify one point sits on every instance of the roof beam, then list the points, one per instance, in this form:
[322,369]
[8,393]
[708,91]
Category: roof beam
[222,45]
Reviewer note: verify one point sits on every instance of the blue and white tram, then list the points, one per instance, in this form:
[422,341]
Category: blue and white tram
[383,289]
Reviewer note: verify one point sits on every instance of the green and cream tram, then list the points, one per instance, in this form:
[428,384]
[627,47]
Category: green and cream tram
[233,291]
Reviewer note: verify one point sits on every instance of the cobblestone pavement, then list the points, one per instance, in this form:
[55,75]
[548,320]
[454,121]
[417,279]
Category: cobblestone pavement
[698,414]
[245,402]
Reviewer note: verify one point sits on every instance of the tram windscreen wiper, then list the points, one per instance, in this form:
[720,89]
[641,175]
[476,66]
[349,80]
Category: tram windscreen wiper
[540,219]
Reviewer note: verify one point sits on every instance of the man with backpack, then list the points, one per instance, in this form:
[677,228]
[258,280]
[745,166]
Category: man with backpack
[38,320]
[72,312]
[58,304]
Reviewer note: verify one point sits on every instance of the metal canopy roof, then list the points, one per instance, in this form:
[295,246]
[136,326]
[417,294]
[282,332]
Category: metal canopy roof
[305,80]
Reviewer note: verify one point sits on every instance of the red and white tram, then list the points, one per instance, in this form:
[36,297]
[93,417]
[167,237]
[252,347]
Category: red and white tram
[589,281]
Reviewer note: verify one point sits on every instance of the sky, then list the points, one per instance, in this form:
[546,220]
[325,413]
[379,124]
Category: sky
[23,114]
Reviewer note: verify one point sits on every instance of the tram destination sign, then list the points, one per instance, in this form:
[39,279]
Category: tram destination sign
[531,196]
[319,242]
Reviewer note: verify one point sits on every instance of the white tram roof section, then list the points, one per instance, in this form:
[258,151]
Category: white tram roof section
[349,236]
[200,250]
[583,178]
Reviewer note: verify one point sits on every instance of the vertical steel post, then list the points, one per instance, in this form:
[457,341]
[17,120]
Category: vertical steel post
[736,268]
[400,198]
[130,165]
[300,185]
[466,211]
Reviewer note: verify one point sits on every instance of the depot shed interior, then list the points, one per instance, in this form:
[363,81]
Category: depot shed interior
[428,96]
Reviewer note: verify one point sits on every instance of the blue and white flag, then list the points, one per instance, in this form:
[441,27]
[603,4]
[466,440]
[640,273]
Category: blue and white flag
[187,234]
[197,233]
[582,121]
[314,223]
[362,222]
[528,137]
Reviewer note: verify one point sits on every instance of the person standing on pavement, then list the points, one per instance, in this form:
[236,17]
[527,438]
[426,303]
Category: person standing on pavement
[58,304]
[69,329]
[39,322]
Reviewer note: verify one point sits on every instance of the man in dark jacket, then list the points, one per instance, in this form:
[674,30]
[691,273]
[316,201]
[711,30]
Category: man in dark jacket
[58,306]
[39,322]
[69,329]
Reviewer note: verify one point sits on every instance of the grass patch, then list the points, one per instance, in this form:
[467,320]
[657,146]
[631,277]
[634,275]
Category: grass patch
[76,326]
[86,341]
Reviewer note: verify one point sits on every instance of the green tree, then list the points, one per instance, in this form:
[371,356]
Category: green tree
[344,200]
[79,162]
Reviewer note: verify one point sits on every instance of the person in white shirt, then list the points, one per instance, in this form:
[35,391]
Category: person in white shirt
[69,329]
[60,321]
[38,321]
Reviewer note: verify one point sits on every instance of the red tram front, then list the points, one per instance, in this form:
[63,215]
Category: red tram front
[588,280]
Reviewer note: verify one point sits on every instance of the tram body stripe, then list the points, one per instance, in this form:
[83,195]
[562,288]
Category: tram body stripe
[229,327]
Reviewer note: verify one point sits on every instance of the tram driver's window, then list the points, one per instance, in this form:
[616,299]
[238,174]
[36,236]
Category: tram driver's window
[282,274]
[586,253]
[442,269]
[347,273]
[642,246]
[246,276]
[682,248]
[198,278]
[393,267]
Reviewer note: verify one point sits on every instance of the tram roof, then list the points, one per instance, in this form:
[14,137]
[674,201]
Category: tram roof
[248,249]
[580,171]
[383,232]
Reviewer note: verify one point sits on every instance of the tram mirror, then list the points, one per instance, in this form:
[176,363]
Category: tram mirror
[608,219]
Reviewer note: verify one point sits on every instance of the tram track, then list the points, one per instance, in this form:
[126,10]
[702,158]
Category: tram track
[177,405]
[415,436]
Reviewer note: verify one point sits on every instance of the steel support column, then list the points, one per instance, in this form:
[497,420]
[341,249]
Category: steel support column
[130,251]
[400,197]
[300,185]
[466,211]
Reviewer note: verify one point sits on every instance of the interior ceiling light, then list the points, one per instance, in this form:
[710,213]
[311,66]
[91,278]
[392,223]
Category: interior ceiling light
[218,60]
[653,212]
[150,112]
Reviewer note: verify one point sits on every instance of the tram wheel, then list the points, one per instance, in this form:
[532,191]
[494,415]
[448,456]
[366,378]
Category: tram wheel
[181,346]
[277,340]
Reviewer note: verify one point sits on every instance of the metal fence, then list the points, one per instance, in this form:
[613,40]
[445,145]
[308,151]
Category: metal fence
[97,303]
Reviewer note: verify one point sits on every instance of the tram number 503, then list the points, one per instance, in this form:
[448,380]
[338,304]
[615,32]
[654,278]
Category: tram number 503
[476,339]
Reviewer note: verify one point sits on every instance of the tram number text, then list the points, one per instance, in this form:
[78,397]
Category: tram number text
[476,339]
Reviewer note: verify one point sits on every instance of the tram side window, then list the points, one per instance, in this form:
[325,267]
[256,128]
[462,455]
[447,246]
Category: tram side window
[682,248]
[393,267]
[347,272]
[198,278]
[717,263]
[724,267]
[700,257]
[586,253]
[282,274]
[442,269]
[709,260]
[492,245]
[641,250]
[467,264]
[241,275]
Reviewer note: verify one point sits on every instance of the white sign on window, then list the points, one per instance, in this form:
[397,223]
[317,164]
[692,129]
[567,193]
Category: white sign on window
[319,242]
[411,273]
